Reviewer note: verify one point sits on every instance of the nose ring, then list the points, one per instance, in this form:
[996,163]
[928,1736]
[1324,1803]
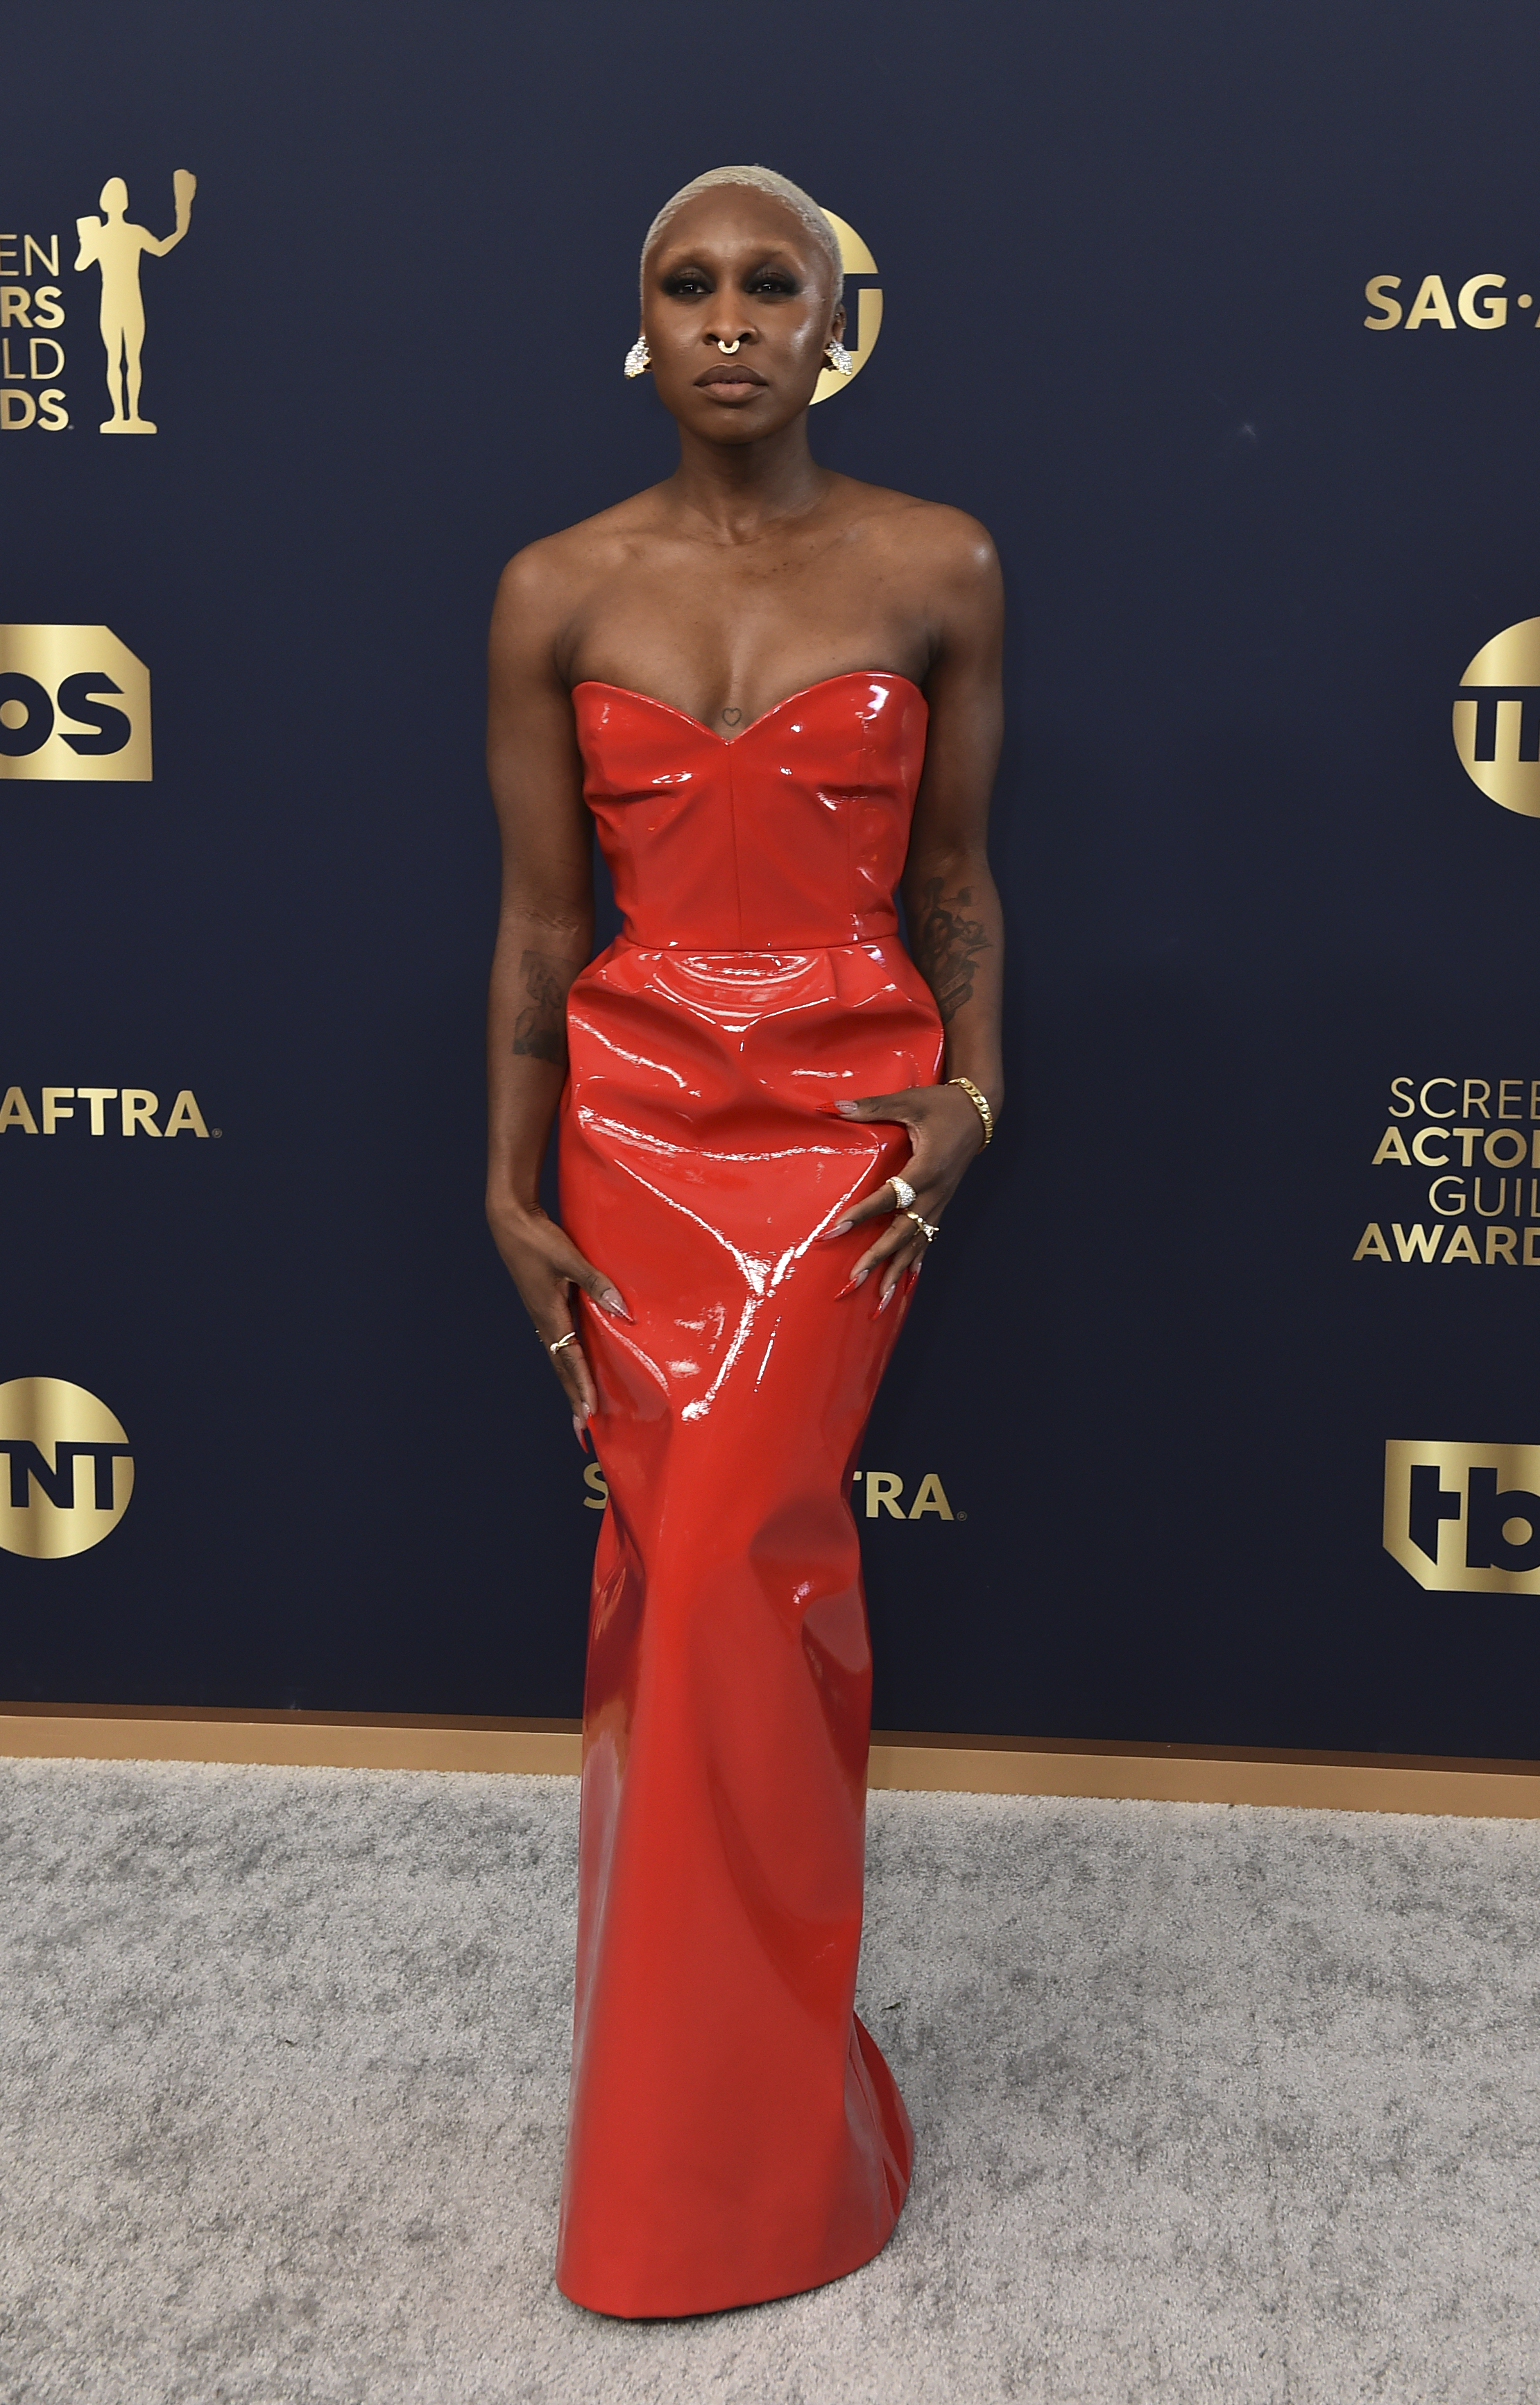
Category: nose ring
[729,347]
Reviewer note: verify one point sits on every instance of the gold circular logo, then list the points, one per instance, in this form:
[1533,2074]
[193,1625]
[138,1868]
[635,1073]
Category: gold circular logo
[1497,719]
[856,259]
[66,1470]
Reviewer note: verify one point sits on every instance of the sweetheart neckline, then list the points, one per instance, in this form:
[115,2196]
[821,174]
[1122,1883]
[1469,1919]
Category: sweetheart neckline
[889,676]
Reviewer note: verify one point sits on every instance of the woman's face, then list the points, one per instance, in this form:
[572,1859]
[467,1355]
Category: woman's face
[736,265]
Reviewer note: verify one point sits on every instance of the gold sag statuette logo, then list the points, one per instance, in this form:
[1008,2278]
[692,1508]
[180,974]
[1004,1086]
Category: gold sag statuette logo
[1497,719]
[856,259]
[1466,1518]
[112,244]
[32,310]
[74,705]
[71,1469]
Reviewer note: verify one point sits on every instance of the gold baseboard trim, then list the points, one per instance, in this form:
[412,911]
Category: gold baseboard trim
[917,1760]
[302,1740]
[1194,1775]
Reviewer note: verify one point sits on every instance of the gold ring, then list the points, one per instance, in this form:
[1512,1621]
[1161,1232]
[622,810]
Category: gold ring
[571,1338]
[904,1191]
[929,1232]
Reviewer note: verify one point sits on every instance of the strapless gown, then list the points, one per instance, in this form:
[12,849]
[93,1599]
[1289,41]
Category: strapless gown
[734,2133]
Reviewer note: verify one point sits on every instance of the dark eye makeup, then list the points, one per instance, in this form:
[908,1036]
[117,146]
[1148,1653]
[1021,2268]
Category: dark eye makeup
[689,282]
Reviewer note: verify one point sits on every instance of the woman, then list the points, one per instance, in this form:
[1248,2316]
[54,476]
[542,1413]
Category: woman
[750,676]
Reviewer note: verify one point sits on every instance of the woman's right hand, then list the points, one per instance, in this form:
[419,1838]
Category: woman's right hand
[544,1264]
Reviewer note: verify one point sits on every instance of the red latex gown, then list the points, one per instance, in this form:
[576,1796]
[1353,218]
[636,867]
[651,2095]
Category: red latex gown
[735,2134]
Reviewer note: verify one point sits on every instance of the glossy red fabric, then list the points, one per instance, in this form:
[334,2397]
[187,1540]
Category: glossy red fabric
[735,2134]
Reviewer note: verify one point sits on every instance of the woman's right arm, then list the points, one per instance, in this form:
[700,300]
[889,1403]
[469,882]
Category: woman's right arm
[545,936]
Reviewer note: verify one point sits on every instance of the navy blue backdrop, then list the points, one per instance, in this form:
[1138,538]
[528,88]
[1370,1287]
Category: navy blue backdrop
[1250,545]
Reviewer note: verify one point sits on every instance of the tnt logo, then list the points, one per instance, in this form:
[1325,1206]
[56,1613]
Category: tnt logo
[70,1469]
[1497,719]
[74,703]
[1466,1518]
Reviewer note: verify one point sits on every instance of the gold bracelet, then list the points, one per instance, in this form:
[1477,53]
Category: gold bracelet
[981,1103]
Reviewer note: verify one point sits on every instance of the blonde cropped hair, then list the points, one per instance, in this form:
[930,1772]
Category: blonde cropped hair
[757,179]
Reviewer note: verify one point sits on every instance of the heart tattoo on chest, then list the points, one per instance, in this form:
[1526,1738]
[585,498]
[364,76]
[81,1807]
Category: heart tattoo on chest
[732,716]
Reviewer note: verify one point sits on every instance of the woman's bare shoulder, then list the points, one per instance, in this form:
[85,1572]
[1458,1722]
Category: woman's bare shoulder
[944,539]
[545,588]
[566,562]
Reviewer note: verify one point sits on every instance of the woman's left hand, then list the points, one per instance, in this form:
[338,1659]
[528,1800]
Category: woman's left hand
[945,1135]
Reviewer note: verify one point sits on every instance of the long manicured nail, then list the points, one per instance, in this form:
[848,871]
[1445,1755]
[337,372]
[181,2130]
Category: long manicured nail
[580,1431]
[845,1108]
[851,1283]
[612,1301]
[841,1227]
[887,1299]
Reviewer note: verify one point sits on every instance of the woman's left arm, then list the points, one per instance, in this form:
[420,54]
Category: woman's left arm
[955,929]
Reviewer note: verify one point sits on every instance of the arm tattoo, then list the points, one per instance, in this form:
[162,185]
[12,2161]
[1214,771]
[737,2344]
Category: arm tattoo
[540,1029]
[944,946]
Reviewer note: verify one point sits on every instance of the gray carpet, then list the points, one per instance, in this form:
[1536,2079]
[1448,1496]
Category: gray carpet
[1213,2104]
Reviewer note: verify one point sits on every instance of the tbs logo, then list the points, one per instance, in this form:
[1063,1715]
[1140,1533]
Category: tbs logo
[74,705]
[1466,1518]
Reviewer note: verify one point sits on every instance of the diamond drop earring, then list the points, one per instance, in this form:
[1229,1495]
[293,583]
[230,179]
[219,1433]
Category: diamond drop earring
[638,359]
[839,358]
